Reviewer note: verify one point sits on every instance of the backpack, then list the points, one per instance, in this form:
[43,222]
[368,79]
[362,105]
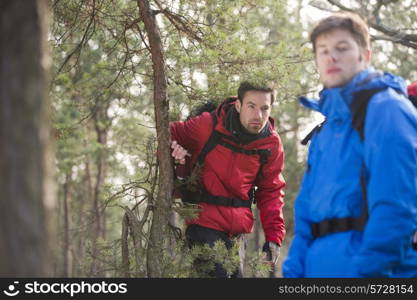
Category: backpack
[195,193]
[358,108]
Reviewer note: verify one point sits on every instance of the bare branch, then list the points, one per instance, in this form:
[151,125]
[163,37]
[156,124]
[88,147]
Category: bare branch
[394,40]
[178,22]
[84,39]
[340,5]
[374,21]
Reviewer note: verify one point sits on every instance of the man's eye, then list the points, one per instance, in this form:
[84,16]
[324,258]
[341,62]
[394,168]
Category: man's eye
[341,49]
[323,52]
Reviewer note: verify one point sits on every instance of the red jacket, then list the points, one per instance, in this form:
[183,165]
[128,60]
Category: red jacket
[412,89]
[231,174]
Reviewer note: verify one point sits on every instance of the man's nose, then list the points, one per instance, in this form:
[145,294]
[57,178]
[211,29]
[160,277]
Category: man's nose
[258,114]
[333,56]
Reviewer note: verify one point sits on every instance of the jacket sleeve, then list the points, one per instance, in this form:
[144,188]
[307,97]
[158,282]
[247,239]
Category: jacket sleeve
[293,265]
[390,151]
[270,196]
[189,133]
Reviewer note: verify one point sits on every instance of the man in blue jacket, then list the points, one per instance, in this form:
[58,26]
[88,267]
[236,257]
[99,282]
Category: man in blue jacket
[356,213]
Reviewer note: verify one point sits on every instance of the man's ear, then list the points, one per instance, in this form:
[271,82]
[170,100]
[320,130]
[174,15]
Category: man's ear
[367,56]
[238,106]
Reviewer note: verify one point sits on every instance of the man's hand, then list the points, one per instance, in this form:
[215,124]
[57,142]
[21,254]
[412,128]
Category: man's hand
[272,251]
[179,153]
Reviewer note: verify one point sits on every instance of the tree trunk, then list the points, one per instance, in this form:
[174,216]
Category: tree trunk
[66,254]
[159,233]
[125,247]
[24,139]
[100,118]
[82,220]
[257,231]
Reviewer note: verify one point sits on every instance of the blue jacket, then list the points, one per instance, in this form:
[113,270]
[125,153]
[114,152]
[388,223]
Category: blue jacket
[331,186]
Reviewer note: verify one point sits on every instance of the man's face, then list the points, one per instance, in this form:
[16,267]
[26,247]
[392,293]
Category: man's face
[254,110]
[339,57]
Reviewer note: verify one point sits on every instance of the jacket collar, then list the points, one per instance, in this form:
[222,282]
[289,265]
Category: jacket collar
[224,113]
[334,103]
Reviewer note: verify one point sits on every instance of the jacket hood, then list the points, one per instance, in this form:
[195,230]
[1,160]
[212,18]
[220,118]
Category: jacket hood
[336,101]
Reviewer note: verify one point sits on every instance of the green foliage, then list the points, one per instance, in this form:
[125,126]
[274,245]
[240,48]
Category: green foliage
[256,266]
[200,260]
[186,211]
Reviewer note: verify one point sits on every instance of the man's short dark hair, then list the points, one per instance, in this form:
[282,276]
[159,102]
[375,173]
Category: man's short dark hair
[346,21]
[246,86]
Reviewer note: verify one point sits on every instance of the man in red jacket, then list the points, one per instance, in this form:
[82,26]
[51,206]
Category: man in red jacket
[241,155]
[412,93]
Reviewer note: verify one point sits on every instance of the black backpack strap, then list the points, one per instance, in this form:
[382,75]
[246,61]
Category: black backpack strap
[217,138]
[224,201]
[413,99]
[364,215]
[414,237]
[211,142]
[202,195]
[335,225]
[315,130]
[263,153]
[263,158]
[359,107]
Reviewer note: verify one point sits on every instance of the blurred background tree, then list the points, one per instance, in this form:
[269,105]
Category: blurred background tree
[103,109]
[26,157]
